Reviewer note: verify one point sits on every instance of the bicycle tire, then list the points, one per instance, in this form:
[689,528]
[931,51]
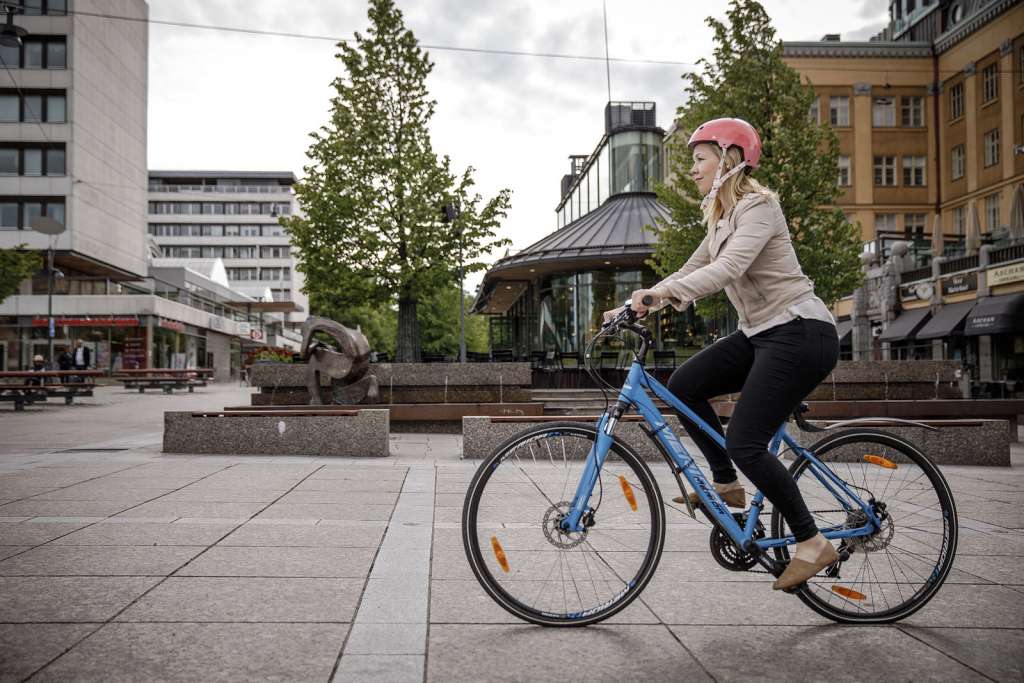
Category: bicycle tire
[645,492]
[841,600]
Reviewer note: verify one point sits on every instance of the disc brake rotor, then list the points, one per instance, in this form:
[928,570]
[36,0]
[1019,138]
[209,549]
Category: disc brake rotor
[553,531]
[873,542]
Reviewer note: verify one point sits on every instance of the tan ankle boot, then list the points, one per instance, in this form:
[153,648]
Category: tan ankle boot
[798,571]
[732,493]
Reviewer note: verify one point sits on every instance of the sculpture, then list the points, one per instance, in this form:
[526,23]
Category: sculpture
[346,369]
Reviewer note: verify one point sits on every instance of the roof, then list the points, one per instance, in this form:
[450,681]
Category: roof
[874,48]
[616,229]
[286,176]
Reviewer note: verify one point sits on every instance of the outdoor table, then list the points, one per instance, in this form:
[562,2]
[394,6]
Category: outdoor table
[143,372]
[20,374]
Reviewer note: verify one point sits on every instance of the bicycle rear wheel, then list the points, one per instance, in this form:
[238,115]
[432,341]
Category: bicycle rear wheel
[511,534]
[896,571]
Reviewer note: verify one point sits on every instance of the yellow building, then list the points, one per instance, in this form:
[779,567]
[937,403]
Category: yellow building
[930,121]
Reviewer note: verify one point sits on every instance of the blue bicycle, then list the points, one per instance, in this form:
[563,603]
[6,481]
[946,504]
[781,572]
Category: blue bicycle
[564,523]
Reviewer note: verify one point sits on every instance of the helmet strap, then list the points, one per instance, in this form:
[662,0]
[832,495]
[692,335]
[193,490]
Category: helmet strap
[720,179]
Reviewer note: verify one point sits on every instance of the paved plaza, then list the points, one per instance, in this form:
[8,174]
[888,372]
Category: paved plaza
[120,563]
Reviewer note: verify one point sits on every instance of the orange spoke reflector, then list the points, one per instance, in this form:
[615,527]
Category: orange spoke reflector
[499,554]
[880,461]
[627,491]
[848,593]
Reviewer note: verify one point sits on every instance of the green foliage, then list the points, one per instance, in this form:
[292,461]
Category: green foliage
[16,265]
[379,322]
[371,231]
[439,321]
[748,79]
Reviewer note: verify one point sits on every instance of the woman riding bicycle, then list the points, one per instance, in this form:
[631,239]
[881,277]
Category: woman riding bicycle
[786,343]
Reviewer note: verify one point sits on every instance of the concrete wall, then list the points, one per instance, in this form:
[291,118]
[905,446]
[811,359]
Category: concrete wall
[220,346]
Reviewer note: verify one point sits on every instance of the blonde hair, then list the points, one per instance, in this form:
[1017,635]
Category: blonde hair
[734,188]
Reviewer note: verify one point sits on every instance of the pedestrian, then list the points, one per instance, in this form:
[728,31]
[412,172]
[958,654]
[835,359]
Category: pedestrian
[64,360]
[38,365]
[82,358]
[787,341]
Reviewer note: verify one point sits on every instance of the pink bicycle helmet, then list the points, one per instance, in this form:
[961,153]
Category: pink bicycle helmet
[728,132]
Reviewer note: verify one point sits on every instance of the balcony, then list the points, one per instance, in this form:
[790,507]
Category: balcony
[222,189]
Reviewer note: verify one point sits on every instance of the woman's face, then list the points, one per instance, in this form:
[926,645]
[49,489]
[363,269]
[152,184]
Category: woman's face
[705,162]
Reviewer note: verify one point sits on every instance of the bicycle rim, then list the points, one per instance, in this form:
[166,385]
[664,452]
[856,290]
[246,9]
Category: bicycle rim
[523,560]
[896,571]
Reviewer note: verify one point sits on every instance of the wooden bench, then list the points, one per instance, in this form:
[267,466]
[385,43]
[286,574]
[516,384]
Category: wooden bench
[168,384]
[22,394]
[70,390]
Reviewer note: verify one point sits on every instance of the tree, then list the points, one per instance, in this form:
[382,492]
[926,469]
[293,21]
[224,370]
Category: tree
[371,231]
[439,320]
[748,79]
[16,265]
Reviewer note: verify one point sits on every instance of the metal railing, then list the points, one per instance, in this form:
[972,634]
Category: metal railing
[915,275]
[957,264]
[225,189]
[1013,252]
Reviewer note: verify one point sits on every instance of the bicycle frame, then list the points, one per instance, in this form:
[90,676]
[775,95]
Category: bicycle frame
[633,394]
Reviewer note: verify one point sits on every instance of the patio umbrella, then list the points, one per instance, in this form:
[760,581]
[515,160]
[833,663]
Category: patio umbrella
[1017,214]
[938,244]
[973,239]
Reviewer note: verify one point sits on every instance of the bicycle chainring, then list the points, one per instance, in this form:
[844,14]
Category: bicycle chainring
[727,553]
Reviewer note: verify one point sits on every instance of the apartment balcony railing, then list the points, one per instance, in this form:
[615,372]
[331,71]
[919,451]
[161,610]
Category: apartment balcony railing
[958,264]
[225,189]
[1013,252]
[915,275]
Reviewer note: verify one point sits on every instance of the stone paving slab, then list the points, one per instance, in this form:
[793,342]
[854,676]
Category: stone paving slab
[282,562]
[68,598]
[25,648]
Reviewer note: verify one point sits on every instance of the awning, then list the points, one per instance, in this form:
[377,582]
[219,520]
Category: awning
[906,325]
[844,328]
[996,315]
[499,296]
[948,321]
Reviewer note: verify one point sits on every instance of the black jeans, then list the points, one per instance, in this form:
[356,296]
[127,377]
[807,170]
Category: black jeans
[773,371]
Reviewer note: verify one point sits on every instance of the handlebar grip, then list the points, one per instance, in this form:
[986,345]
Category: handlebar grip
[647,300]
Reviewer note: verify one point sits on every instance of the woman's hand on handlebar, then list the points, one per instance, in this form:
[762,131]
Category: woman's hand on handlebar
[644,300]
[613,314]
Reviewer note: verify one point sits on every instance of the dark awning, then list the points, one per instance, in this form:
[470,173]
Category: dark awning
[906,325]
[844,328]
[996,315]
[948,321]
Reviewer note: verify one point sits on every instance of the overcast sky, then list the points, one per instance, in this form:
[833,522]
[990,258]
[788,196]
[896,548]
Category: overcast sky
[229,101]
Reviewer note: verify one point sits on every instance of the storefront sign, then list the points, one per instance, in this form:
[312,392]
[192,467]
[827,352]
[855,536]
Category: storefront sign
[172,325]
[920,291]
[244,329]
[1005,274]
[256,334]
[958,284]
[217,322]
[88,322]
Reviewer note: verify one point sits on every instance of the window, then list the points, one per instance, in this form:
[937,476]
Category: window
[989,83]
[243,273]
[9,215]
[839,111]
[213,252]
[56,54]
[8,161]
[956,158]
[990,143]
[10,109]
[992,212]
[883,112]
[32,162]
[11,57]
[960,220]
[273,231]
[885,222]
[275,274]
[913,226]
[30,212]
[843,179]
[274,252]
[912,112]
[812,113]
[56,109]
[33,108]
[249,230]
[32,7]
[38,7]
[956,101]
[55,162]
[32,54]
[913,171]
[885,171]
[213,208]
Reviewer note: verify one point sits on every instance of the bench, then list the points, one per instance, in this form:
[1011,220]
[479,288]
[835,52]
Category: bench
[957,442]
[168,384]
[22,394]
[315,431]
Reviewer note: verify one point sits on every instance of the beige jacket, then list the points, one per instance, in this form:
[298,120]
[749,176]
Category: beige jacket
[748,254]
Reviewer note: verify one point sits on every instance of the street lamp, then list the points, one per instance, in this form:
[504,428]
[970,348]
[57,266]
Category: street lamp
[11,35]
[451,214]
[49,226]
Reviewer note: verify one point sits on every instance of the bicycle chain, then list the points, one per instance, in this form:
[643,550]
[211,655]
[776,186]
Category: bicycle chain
[761,514]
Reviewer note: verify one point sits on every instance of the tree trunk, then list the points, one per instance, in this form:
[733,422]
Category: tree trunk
[407,346]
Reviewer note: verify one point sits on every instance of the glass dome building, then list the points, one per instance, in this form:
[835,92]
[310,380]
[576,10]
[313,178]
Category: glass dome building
[550,295]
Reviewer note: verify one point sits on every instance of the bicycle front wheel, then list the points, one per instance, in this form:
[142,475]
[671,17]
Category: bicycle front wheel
[894,572]
[526,562]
